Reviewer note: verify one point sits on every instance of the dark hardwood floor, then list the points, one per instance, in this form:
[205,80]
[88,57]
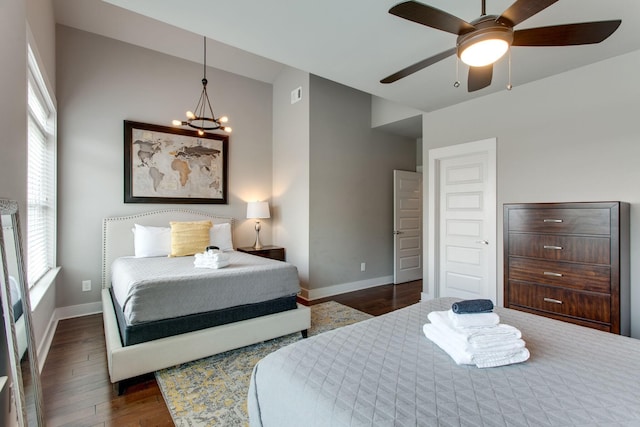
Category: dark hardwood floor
[380,299]
[75,379]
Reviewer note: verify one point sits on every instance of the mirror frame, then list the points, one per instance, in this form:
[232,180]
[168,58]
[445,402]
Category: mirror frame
[10,208]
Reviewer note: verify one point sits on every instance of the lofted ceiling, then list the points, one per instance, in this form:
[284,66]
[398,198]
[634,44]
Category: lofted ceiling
[352,42]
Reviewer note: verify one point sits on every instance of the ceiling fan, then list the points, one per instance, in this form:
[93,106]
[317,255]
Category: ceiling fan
[486,39]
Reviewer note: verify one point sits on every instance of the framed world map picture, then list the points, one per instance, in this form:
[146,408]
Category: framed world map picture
[169,165]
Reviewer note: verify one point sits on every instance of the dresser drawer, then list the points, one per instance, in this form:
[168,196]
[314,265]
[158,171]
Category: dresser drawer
[561,220]
[585,277]
[596,307]
[561,248]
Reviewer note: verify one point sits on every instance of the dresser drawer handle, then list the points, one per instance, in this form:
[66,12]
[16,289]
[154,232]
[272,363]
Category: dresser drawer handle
[551,220]
[555,301]
[556,248]
[549,273]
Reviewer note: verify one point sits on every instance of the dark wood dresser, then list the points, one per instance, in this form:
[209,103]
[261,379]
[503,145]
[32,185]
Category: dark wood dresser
[569,261]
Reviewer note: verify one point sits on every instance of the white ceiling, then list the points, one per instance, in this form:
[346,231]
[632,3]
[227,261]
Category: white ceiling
[352,42]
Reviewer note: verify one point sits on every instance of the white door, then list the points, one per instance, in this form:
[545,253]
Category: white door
[462,223]
[407,216]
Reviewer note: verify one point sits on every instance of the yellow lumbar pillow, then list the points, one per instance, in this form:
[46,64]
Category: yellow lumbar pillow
[188,238]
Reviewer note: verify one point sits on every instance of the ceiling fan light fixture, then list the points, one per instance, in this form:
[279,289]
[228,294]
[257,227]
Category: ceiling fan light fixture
[484,52]
[484,47]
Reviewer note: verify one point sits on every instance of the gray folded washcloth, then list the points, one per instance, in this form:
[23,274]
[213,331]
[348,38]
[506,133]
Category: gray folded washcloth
[472,306]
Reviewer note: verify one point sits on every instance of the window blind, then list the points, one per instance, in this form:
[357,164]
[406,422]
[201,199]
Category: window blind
[41,191]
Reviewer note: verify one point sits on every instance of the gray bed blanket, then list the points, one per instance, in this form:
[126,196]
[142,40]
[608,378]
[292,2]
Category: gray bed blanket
[156,288]
[384,372]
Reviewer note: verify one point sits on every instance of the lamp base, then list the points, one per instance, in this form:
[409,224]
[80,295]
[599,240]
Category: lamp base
[257,244]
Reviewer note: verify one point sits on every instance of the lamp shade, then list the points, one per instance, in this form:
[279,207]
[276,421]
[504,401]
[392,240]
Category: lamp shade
[258,210]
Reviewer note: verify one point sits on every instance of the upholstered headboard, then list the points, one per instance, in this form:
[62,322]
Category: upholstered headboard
[117,237]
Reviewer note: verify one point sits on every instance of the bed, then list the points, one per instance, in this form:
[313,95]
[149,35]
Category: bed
[146,331]
[385,372]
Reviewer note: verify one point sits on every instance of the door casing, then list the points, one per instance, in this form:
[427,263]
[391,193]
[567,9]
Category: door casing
[431,287]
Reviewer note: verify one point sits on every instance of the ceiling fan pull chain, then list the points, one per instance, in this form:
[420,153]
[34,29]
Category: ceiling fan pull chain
[509,86]
[457,82]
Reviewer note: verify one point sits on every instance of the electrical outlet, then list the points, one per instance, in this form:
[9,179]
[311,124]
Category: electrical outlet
[363,266]
[86,285]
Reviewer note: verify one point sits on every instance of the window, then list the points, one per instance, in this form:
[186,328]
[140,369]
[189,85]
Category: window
[41,175]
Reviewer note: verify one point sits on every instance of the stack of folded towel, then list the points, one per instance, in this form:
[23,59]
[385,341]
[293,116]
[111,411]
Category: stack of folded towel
[211,258]
[471,333]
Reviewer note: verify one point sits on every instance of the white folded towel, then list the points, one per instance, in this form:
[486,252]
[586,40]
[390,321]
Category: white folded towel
[452,340]
[480,349]
[483,346]
[211,259]
[462,355]
[214,265]
[487,335]
[213,255]
[473,320]
[454,348]
[501,358]
[498,346]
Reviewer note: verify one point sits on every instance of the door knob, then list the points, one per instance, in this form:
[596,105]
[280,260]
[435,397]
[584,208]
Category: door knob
[396,232]
[484,242]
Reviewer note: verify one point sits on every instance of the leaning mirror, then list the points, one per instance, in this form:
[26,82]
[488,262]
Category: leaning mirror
[24,372]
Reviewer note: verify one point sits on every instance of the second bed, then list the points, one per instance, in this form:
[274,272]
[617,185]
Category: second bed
[162,311]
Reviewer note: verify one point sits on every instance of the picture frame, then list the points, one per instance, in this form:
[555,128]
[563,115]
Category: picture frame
[173,165]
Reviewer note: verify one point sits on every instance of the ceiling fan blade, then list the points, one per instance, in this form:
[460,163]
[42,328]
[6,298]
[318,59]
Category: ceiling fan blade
[431,17]
[522,10]
[418,66]
[566,35]
[479,77]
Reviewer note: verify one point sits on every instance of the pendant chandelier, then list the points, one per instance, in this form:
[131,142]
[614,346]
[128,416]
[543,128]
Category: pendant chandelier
[202,118]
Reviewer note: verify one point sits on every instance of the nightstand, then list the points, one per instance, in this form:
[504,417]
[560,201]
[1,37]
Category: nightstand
[267,251]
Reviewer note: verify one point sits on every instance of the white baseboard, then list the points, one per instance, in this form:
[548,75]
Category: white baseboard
[328,291]
[47,339]
[78,310]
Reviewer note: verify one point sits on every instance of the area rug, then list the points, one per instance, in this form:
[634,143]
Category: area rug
[213,391]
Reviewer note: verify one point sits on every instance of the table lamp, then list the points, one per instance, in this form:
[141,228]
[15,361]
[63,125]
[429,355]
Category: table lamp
[257,211]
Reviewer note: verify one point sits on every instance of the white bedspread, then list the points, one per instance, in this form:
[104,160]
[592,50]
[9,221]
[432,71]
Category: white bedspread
[159,288]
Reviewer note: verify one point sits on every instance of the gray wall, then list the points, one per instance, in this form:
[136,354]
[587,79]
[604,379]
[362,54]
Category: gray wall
[102,82]
[13,102]
[350,187]
[572,137]
[290,207]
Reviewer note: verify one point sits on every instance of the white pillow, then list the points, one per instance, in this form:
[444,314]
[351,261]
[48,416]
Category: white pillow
[220,236]
[151,241]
